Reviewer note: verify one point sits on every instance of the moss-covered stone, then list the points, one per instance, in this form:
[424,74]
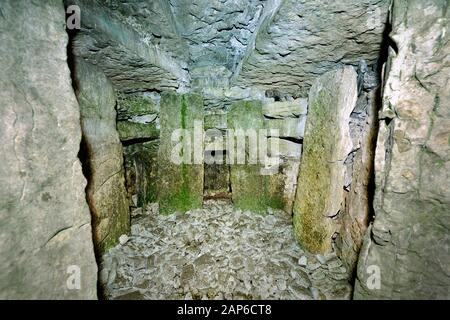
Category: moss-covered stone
[135,105]
[250,189]
[215,121]
[132,130]
[180,186]
[326,145]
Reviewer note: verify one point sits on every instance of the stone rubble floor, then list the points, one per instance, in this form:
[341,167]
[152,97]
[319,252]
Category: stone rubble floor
[218,252]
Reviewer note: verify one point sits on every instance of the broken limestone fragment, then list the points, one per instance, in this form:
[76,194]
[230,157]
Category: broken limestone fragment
[286,149]
[326,145]
[286,109]
[103,156]
[180,162]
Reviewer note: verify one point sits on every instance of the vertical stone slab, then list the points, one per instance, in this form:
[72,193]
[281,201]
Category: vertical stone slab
[326,145]
[45,229]
[102,156]
[180,184]
[249,187]
[358,207]
[406,254]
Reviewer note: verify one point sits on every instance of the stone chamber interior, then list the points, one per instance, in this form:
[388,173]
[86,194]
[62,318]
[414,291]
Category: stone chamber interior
[120,169]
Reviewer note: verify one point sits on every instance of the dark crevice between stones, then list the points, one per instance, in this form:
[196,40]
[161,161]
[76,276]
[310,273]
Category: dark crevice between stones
[83,153]
[291,139]
[130,142]
[208,188]
[382,60]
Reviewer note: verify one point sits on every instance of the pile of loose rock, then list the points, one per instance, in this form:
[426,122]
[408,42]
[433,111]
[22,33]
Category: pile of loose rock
[218,252]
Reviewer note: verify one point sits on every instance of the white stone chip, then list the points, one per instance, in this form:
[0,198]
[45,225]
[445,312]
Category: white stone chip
[123,239]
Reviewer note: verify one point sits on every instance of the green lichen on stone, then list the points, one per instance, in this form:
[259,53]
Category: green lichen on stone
[308,212]
[132,130]
[274,187]
[217,180]
[180,201]
[215,121]
[136,105]
[184,109]
[180,186]
[326,145]
[250,189]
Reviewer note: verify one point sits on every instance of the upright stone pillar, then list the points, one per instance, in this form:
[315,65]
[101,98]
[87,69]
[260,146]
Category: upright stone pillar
[406,253]
[326,145]
[102,155]
[46,249]
[180,155]
[249,187]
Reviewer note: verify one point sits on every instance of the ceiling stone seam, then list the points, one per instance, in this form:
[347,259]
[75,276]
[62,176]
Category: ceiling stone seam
[150,53]
[269,11]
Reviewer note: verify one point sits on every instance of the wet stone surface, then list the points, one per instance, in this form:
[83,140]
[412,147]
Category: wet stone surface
[218,252]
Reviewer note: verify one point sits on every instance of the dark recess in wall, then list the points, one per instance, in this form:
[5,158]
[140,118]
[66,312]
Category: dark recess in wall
[83,153]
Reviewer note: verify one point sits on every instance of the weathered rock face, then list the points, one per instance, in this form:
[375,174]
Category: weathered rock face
[180,156]
[327,143]
[45,226]
[129,130]
[248,185]
[227,44]
[308,38]
[217,181]
[409,241]
[357,209]
[102,155]
[129,57]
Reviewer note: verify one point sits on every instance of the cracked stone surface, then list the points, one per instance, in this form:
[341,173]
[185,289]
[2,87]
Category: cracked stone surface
[218,252]
[45,221]
[309,38]
[222,46]
[409,240]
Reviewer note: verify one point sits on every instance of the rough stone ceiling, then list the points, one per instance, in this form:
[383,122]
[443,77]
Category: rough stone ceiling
[145,45]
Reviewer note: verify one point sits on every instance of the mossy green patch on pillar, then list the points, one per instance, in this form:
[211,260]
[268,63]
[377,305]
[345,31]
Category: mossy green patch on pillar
[250,190]
[326,145]
[180,178]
